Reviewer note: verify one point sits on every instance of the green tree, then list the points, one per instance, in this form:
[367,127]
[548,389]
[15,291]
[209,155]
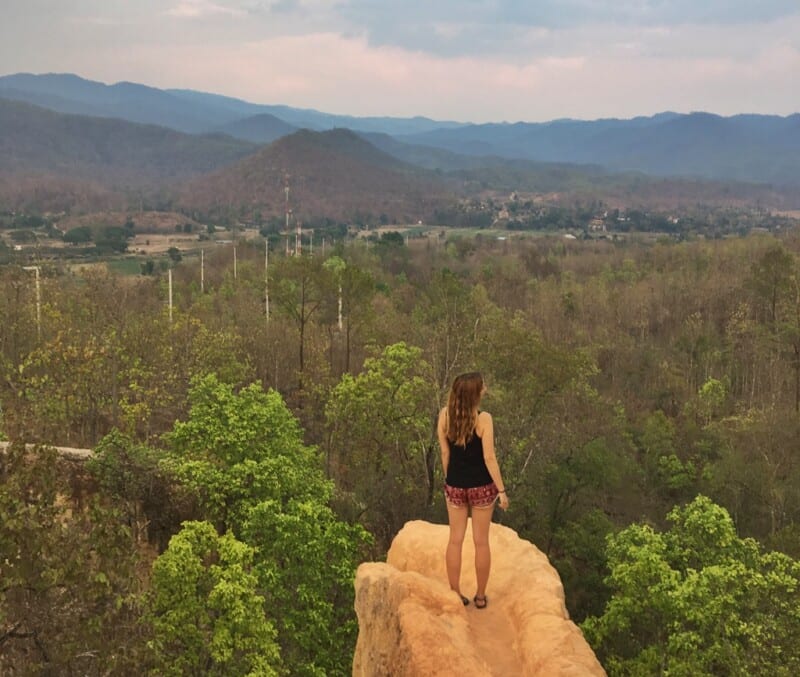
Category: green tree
[206,614]
[667,470]
[239,449]
[130,473]
[305,562]
[381,448]
[112,238]
[697,600]
[79,235]
[242,456]
[391,250]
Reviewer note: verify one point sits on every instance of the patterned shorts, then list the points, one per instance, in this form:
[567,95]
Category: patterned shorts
[477,497]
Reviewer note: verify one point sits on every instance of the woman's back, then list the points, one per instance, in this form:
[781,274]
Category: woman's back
[467,467]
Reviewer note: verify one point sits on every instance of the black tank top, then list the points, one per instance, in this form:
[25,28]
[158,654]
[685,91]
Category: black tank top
[466,468]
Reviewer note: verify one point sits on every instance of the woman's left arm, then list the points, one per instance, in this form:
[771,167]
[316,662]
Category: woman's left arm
[489,456]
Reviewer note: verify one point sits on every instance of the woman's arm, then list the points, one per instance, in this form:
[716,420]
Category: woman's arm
[444,446]
[486,432]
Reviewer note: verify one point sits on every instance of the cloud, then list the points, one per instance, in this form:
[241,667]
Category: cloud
[475,60]
[191,9]
[664,70]
[451,27]
[96,20]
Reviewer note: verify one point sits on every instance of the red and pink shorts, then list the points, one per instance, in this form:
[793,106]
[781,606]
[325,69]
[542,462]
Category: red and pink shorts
[477,497]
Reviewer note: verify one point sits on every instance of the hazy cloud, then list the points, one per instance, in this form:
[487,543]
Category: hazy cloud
[464,26]
[190,9]
[458,59]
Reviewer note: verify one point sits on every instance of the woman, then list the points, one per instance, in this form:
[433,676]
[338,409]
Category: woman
[472,479]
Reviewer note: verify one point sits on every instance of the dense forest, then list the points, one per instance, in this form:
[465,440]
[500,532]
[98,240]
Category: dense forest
[265,434]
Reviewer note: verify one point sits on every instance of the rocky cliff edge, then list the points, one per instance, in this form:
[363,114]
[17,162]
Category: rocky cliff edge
[411,624]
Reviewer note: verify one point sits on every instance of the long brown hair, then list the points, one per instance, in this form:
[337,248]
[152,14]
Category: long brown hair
[462,407]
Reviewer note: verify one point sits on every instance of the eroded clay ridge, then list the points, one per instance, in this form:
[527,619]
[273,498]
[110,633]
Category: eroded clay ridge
[72,453]
[411,625]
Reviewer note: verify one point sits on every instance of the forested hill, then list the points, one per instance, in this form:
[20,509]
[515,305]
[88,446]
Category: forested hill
[33,139]
[335,174]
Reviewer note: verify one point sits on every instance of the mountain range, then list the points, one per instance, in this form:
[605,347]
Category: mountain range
[755,148]
[184,110]
[759,148]
[215,150]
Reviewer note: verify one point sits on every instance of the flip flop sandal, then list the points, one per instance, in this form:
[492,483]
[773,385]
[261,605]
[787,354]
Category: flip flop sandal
[480,602]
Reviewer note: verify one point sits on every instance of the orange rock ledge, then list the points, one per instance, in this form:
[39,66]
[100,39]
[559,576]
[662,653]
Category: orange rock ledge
[412,625]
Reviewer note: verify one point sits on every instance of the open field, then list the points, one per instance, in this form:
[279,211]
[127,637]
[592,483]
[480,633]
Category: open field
[159,243]
[129,266]
[145,222]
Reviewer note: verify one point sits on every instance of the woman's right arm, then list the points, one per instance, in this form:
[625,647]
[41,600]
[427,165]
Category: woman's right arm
[444,446]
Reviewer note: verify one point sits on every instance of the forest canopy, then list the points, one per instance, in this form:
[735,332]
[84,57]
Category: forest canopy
[645,399]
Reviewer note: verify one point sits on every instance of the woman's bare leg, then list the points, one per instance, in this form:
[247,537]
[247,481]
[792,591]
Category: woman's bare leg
[481,519]
[457,517]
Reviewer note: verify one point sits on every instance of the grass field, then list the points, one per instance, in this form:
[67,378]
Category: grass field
[125,266]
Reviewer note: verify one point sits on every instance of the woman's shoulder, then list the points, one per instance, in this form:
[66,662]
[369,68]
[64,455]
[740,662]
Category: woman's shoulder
[484,421]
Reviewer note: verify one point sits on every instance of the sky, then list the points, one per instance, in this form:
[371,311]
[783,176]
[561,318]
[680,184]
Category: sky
[464,60]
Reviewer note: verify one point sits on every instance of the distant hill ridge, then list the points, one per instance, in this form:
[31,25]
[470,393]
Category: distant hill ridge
[64,161]
[753,148]
[180,109]
[261,128]
[33,139]
[334,173]
[756,148]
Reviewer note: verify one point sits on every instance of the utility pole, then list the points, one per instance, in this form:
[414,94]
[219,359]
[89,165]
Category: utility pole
[234,261]
[169,278]
[202,271]
[38,301]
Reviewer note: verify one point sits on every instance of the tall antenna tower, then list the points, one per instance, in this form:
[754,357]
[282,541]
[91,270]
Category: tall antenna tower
[288,210]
